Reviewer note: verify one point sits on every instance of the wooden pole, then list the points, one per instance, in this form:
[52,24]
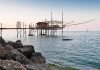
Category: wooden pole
[1,30]
[23,30]
[51,22]
[62,23]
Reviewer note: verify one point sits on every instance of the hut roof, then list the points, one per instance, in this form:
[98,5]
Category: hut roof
[42,23]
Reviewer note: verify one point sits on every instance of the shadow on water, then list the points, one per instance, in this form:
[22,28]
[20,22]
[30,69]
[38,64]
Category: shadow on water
[67,39]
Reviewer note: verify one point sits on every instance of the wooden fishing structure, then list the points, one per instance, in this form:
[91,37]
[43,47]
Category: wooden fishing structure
[46,28]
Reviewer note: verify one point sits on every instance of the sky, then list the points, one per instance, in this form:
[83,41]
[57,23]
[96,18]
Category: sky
[33,11]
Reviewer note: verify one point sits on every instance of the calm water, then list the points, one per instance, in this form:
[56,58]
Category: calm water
[82,52]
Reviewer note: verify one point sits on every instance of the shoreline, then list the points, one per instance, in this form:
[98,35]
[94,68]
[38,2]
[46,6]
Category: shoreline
[16,56]
[52,63]
[56,67]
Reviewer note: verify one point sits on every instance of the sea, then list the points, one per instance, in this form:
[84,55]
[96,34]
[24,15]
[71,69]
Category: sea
[82,52]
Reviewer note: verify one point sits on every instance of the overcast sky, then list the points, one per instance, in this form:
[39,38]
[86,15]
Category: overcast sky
[33,11]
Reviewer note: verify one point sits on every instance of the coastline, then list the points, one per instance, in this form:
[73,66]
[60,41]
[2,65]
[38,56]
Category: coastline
[16,56]
[56,67]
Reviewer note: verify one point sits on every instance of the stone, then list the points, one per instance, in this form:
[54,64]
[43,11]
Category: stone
[2,41]
[14,44]
[3,53]
[2,68]
[8,47]
[0,45]
[17,56]
[38,58]
[27,50]
[19,42]
[11,65]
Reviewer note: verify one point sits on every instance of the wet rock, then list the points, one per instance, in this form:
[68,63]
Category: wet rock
[37,67]
[27,50]
[11,65]
[17,56]
[2,41]
[38,58]
[14,44]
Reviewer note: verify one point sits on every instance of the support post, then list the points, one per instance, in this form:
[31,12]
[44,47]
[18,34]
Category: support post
[23,30]
[51,22]
[1,29]
[62,23]
[18,27]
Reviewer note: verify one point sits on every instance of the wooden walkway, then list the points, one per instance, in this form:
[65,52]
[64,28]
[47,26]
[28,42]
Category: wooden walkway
[16,28]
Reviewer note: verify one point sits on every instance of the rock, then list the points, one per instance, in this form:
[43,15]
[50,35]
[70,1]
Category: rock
[38,58]
[1,45]
[14,44]
[8,47]
[2,41]
[3,53]
[11,65]
[2,68]
[17,56]
[19,42]
[27,50]
[37,67]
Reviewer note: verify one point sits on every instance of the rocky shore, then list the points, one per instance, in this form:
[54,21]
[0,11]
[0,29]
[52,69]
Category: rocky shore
[16,56]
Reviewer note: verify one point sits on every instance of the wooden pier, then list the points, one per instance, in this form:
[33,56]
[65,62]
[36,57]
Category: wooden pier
[46,28]
[42,28]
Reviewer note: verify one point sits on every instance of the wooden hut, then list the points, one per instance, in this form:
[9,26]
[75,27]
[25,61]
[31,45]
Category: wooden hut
[42,25]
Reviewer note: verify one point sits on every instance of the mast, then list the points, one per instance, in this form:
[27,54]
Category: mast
[51,22]
[62,23]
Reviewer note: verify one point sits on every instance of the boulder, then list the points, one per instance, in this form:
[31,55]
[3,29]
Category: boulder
[17,56]
[11,65]
[27,50]
[3,53]
[19,42]
[2,41]
[37,67]
[14,44]
[8,47]
[38,58]
[0,45]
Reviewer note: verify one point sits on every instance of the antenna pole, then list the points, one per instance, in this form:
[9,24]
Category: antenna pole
[51,22]
[62,23]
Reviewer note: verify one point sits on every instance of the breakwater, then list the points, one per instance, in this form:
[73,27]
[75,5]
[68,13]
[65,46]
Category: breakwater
[16,56]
